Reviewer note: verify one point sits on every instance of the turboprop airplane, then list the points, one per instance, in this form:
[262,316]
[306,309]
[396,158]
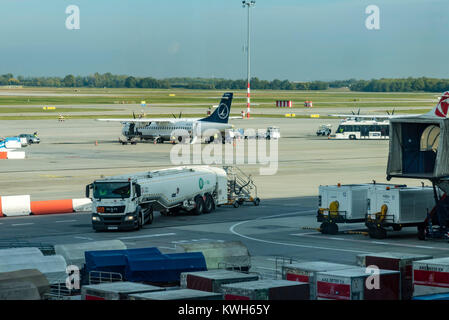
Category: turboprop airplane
[175,129]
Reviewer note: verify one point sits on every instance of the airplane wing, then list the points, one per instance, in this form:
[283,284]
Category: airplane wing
[145,120]
[366,116]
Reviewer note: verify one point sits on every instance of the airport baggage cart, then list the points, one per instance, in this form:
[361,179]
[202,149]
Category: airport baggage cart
[397,207]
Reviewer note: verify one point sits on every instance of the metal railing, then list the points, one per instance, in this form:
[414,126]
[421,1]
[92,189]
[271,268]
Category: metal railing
[97,277]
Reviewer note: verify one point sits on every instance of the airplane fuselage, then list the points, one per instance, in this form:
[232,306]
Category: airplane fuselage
[169,131]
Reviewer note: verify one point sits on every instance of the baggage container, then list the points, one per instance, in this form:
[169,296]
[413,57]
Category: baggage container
[402,262]
[306,272]
[115,260]
[397,207]
[115,290]
[221,254]
[266,290]
[164,268]
[212,280]
[181,294]
[431,273]
[350,284]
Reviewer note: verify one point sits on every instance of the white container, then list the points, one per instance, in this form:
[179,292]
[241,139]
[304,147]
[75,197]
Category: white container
[115,290]
[352,200]
[406,205]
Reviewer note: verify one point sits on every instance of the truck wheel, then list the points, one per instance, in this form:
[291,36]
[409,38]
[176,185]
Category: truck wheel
[256,201]
[236,204]
[199,205]
[209,205]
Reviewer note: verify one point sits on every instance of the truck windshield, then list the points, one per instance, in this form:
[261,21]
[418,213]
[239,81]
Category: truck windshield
[111,190]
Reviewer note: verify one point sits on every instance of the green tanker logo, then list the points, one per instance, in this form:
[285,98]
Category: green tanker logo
[201,183]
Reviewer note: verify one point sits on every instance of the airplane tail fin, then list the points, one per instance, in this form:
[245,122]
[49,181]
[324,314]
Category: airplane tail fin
[442,108]
[221,113]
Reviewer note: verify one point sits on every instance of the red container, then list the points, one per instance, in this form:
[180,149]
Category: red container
[401,262]
[351,284]
[212,280]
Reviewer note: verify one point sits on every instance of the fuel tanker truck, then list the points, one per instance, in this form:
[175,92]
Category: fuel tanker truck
[125,202]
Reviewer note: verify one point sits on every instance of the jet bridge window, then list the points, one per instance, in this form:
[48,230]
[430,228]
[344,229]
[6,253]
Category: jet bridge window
[430,138]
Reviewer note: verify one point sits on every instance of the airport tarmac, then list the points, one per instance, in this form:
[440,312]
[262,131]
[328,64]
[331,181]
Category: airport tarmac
[76,152]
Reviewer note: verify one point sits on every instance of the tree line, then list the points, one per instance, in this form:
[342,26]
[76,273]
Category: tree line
[109,80]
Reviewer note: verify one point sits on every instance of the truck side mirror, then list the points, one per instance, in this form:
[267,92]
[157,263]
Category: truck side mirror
[87,190]
[138,190]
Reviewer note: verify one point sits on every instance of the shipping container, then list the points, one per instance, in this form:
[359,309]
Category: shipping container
[397,207]
[306,272]
[351,284]
[212,280]
[402,262]
[181,294]
[115,290]
[266,290]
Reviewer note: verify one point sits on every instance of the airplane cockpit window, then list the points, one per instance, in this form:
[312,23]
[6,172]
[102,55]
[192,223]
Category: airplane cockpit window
[430,138]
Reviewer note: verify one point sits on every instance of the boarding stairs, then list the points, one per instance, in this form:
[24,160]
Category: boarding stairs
[241,187]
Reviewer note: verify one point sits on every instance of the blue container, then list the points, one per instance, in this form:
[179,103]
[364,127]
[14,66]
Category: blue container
[165,268]
[115,260]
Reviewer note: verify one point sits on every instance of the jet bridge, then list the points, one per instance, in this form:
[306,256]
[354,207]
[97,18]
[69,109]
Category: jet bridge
[419,149]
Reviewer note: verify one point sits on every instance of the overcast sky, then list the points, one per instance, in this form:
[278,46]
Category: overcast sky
[291,39]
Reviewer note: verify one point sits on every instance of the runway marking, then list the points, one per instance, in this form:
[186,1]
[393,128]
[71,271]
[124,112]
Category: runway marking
[84,238]
[148,236]
[169,248]
[232,230]
[372,242]
[62,221]
[22,224]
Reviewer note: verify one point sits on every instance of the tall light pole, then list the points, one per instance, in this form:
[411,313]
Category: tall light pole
[249,4]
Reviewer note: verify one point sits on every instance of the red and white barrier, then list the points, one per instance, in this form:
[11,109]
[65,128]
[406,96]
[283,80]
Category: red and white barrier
[284,103]
[12,154]
[13,206]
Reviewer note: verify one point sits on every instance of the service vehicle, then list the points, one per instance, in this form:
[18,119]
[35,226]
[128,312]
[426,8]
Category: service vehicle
[324,130]
[30,138]
[363,129]
[128,201]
